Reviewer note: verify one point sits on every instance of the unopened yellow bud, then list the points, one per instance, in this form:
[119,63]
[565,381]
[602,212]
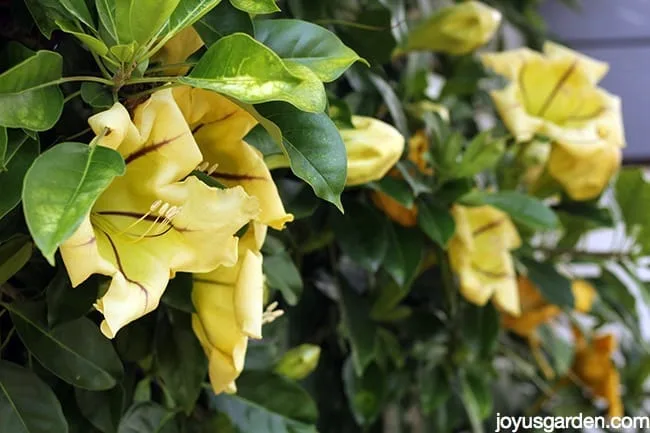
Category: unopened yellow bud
[372,147]
[299,362]
[457,29]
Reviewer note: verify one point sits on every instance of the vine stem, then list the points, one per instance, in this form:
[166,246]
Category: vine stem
[448,282]
[147,80]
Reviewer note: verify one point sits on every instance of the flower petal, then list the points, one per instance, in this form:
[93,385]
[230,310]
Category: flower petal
[508,63]
[510,105]
[594,69]
[373,148]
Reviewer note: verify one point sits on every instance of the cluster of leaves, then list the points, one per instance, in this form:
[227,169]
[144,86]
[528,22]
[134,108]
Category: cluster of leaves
[401,351]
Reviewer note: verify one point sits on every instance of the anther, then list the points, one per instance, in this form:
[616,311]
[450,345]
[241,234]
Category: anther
[155,205]
[163,209]
[203,166]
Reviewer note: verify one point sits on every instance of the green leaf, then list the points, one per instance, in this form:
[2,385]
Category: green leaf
[524,209]
[148,417]
[368,33]
[75,351]
[106,13]
[471,396]
[436,222]
[256,7]
[562,351]
[404,254]
[21,152]
[555,287]
[61,187]
[187,13]
[95,45]
[180,360]
[283,275]
[96,95]
[46,12]
[221,21]
[178,293]
[481,154]
[27,100]
[361,330]
[308,44]
[362,235]
[139,21]
[393,102]
[102,409]
[480,329]
[65,303]
[397,189]
[79,9]
[633,197]
[27,405]
[14,254]
[268,402]
[314,146]
[3,147]
[434,388]
[365,393]
[241,67]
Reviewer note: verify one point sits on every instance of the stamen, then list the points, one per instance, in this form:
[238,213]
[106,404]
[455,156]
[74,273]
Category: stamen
[212,169]
[203,166]
[154,206]
[271,314]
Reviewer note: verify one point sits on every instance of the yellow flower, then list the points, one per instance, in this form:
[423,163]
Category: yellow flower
[154,221]
[229,300]
[479,254]
[229,304]
[372,147]
[556,94]
[219,127]
[594,367]
[457,29]
[535,311]
[418,154]
[178,49]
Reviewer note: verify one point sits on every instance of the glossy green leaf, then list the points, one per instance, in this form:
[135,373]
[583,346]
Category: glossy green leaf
[21,152]
[102,409]
[76,351]
[61,187]
[361,330]
[27,100]
[369,35]
[46,12]
[633,197]
[392,101]
[95,45]
[366,393]
[14,254]
[397,189]
[522,208]
[221,21]
[558,346]
[436,222]
[27,404]
[482,153]
[256,7]
[178,293]
[404,254]
[79,9]
[139,21]
[241,67]
[66,303]
[148,417]
[281,274]
[3,147]
[362,235]
[268,402]
[434,388]
[555,287]
[308,44]
[180,360]
[106,13]
[96,95]
[476,397]
[314,146]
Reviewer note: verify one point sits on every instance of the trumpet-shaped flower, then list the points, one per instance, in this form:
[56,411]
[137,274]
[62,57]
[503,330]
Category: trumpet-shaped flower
[594,367]
[219,127]
[555,94]
[457,29]
[479,254]
[418,151]
[229,304]
[155,220]
[373,148]
[229,300]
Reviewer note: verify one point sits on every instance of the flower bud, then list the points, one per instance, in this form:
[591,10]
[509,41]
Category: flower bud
[373,147]
[299,362]
[457,29]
